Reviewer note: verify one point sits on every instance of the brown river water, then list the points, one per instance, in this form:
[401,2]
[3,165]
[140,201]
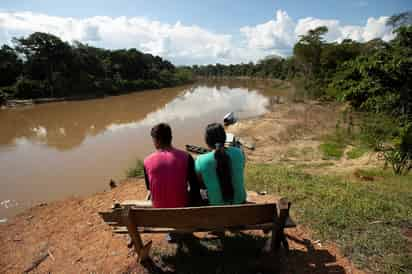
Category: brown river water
[56,150]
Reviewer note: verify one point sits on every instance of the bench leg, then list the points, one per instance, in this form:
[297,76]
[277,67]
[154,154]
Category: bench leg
[141,249]
[278,238]
[278,233]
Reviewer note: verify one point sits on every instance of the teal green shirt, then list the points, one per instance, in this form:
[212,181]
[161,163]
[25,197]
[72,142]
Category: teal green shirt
[206,166]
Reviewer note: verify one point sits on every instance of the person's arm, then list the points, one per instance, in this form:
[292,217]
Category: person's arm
[203,189]
[146,180]
[194,192]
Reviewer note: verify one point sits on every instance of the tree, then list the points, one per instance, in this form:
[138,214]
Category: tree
[10,66]
[400,19]
[307,50]
[45,55]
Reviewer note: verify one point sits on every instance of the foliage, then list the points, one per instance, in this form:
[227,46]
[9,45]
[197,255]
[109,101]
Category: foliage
[136,171]
[332,150]
[399,156]
[10,66]
[364,219]
[377,129]
[42,65]
[357,152]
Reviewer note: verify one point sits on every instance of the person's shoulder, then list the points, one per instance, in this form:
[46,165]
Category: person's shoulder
[180,152]
[235,150]
[206,157]
[150,157]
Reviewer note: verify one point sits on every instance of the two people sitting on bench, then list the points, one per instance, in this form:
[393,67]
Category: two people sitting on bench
[175,180]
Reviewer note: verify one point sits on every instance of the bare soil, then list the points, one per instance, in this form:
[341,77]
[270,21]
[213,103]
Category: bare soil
[291,133]
[68,236]
[76,240]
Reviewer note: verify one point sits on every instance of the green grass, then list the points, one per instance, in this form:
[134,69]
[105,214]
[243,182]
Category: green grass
[365,220]
[136,171]
[332,150]
[313,165]
[357,152]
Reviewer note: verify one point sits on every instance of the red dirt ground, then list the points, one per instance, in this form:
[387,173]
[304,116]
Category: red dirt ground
[78,241]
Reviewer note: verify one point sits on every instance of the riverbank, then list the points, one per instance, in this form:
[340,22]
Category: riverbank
[11,103]
[75,239]
[344,193]
[346,210]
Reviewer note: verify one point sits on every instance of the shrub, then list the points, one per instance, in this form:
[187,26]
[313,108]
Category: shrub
[377,129]
[332,150]
[357,152]
[399,156]
[30,89]
[136,171]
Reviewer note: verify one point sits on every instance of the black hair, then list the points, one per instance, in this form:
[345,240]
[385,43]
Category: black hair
[215,137]
[162,133]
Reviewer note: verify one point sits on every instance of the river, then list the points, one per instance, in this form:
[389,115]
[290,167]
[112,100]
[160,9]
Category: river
[55,150]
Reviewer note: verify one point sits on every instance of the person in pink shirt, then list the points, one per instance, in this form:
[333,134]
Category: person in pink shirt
[169,172]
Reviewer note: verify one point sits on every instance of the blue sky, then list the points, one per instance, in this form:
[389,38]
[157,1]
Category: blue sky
[243,30]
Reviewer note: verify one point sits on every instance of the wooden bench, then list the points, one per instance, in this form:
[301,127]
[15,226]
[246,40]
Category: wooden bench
[127,218]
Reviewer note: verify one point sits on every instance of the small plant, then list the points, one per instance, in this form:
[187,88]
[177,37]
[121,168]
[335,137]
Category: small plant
[332,150]
[377,129]
[136,171]
[357,152]
[401,162]
[399,156]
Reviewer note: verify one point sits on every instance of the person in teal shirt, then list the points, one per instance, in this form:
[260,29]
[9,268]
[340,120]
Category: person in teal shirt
[221,170]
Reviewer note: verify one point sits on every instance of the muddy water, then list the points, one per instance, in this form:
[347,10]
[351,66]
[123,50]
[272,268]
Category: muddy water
[55,150]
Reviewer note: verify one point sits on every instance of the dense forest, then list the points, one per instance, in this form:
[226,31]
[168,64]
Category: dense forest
[42,65]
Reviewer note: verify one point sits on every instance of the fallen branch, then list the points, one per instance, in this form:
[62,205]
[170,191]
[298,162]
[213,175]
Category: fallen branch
[37,261]
[50,254]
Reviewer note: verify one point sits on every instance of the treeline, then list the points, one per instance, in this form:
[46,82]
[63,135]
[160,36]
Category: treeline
[374,77]
[42,65]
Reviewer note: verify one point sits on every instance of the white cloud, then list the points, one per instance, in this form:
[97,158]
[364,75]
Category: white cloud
[177,42]
[276,33]
[282,32]
[184,44]
[374,28]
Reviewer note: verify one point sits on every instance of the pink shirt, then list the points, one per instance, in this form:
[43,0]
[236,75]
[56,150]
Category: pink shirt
[167,174]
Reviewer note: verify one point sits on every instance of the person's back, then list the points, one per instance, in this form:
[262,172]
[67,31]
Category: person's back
[221,171]
[206,166]
[167,173]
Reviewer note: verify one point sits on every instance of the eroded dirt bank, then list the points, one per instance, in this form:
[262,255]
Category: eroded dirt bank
[291,133]
[77,241]
[72,238]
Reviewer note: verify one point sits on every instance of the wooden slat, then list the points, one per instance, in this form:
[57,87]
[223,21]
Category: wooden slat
[113,217]
[210,217]
[123,229]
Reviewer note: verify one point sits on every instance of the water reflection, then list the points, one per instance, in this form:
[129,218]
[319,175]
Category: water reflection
[202,102]
[65,125]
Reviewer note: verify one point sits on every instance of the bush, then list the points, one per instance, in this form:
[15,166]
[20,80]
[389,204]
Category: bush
[377,129]
[357,152]
[136,171]
[6,93]
[31,89]
[399,156]
[332,150]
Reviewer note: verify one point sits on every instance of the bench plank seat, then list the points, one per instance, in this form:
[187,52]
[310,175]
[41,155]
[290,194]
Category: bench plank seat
[128,218]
